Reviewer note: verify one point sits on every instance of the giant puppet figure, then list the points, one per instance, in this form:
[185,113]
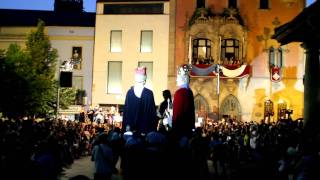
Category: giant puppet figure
[139,109]
[183,105]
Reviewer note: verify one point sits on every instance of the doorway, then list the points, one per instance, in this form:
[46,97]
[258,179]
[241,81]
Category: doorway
[231,108]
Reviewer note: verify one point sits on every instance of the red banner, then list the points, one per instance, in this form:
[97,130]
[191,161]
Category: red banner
[275,74]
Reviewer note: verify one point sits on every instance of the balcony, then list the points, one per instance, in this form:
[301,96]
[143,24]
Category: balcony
[202,60]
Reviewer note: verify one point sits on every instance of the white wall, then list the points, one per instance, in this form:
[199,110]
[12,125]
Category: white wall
[131,26]
[64,38]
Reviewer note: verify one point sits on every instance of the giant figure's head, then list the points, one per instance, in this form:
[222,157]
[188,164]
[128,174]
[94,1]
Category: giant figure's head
[141,74]
[183,77]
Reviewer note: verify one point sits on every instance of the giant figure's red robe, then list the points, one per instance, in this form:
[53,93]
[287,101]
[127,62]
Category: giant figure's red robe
[183,120]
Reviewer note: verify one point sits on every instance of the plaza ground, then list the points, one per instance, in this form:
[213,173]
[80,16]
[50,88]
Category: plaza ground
[84,166]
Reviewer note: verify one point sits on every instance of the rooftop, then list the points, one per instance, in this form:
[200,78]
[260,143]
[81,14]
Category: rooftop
[12,17]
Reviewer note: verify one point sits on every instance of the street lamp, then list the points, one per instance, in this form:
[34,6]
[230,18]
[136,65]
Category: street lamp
[218,69]
[65,73]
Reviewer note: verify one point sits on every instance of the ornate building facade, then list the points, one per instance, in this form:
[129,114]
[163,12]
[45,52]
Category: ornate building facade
[258,79]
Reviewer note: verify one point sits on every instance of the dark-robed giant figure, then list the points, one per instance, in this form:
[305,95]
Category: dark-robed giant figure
[139,108]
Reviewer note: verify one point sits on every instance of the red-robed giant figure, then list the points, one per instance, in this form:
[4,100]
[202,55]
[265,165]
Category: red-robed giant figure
[183,120]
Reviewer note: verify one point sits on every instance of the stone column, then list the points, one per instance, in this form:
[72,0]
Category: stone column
[311,89]
[172,66]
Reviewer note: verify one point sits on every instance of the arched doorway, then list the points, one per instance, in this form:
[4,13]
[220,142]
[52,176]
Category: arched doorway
[231,108]
[200,103]
[201,107]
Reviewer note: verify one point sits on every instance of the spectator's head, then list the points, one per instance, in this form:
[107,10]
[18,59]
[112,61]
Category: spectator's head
[117,129]
[166,94]
[103,138]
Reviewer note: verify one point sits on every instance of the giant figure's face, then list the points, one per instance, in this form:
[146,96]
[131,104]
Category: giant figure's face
[182,80]
[140,78]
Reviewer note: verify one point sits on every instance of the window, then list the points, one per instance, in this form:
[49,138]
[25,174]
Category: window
[282,109]
[116,41]
[146,41]
[200,101]
[276,57]
[268,108]
[230,51]
[201,51]
[271,56]
[114,77]
[280,57]
[76,58]
[154,8]
[232,4]
[149,66]
[201,3]
[264,4]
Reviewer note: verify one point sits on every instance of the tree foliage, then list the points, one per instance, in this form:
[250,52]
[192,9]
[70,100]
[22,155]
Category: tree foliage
[67,97]
[12,81]
[27,78]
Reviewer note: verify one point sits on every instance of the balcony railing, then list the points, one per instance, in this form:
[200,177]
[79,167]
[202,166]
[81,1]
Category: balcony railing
[200,60]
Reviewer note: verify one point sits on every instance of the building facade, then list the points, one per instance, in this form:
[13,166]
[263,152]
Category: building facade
[70,33]
[238,70]
[129,34]
[258,78]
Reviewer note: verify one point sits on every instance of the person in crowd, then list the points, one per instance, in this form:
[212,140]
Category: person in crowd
[165,110]
[166,103]
[103,159]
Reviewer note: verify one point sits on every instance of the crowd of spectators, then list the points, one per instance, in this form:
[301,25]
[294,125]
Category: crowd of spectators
[42,149]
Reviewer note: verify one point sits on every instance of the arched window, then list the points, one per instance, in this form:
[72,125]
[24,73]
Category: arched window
[231,108]
[201,110]
[282,108]
[200,102]
[201,3]
[230,51]
[268,108]
[201,51]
